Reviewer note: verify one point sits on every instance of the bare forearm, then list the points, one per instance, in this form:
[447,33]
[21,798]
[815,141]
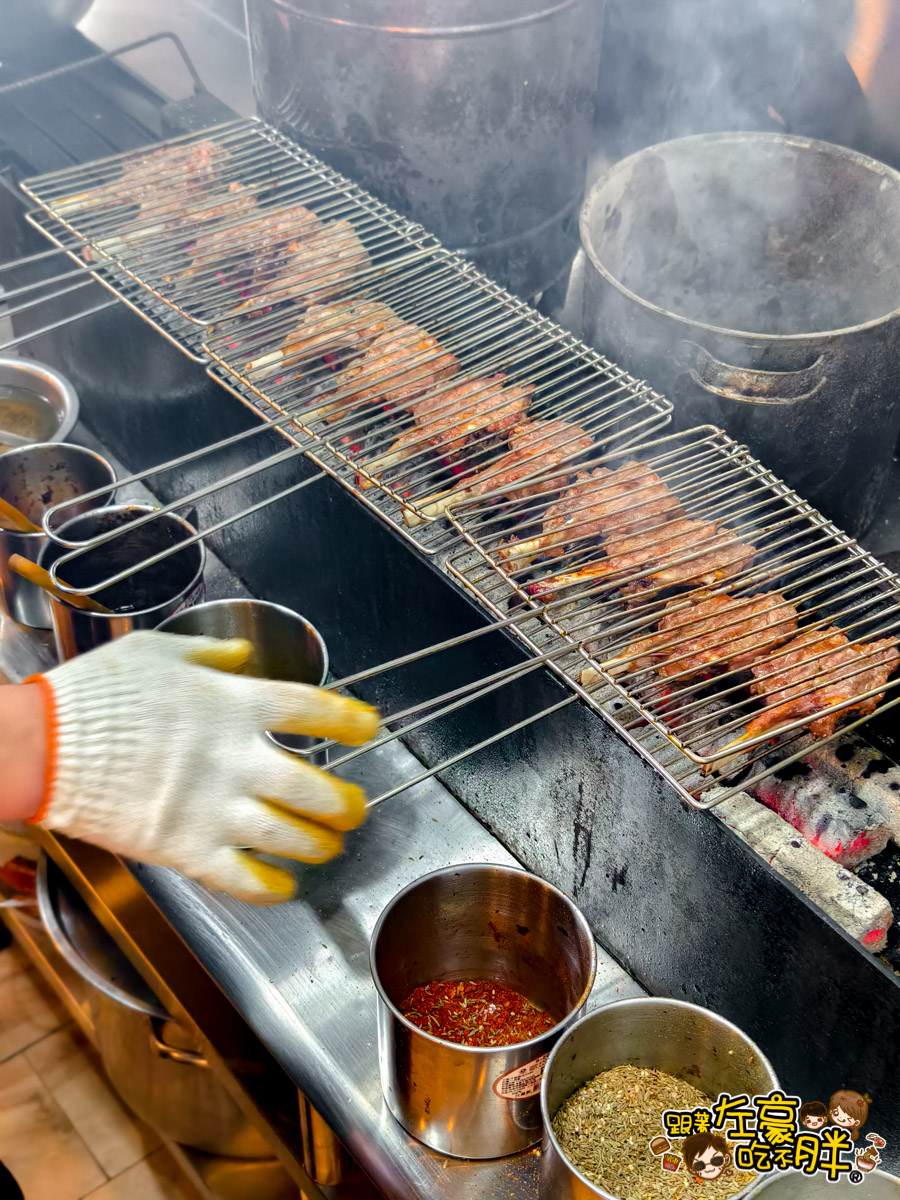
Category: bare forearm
[23,751]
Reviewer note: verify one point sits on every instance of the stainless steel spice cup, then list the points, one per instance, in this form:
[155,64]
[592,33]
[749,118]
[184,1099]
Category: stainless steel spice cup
[32,479]
[142,600]
[475,921]
[681,1039]
[875,1186]
[285,646]
[26,375]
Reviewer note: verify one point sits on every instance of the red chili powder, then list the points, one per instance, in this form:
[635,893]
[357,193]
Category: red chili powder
[476,1012]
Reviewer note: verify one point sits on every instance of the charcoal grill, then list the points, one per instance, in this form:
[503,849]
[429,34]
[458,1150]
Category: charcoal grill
[686,729]
[675,895]
[690,730]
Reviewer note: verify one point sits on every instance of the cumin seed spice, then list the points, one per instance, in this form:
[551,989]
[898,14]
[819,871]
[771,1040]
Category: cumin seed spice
[605,1129]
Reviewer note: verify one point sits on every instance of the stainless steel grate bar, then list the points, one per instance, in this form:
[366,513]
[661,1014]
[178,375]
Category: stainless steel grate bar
[147,209]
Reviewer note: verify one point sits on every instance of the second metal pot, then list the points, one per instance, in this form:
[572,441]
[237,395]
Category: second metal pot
[33,479]
[474,117]
[754,279]
[681,1039]
[153,1062]
[285,646]
[475,921]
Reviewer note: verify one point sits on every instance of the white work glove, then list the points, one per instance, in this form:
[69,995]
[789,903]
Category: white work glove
[153,755]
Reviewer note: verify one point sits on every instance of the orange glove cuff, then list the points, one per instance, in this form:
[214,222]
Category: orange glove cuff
[52,745]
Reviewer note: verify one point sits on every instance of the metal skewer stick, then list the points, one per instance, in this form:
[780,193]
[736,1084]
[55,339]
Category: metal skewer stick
[182,545]
[53,326]
[463,754]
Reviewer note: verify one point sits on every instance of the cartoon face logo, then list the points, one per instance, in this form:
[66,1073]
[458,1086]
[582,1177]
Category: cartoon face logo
[813,1115]
[849,1110]
[706,1154]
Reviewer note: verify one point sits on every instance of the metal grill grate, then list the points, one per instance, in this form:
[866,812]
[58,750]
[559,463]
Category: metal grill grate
[229,295]
[688,707]
[173,327]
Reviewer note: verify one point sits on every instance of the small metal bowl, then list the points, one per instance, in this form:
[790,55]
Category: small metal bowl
[33,478]
[43,381]
[476,921]
[138,602]
[681,1039]
[285,646]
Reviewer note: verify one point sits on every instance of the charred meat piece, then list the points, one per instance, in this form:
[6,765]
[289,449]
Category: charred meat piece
[177,217]
[819,668]
[323,328]
[398,365]
[236,201]
[153,176]
[262,234]
[447,421]
[679,554]
[598,504]
[720,631]
[450,419]
[314,266]
[535,447]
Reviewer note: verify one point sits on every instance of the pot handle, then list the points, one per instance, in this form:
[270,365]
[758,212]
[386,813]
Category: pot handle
[751,386]
[190,1058]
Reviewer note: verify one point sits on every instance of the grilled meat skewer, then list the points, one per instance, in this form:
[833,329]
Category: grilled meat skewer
[344,325]
[176,216]
[399,364]
[677,554]
[819,668]
[534,447]
[448,420]
[719,631]
[261,235]
[599,503]
[310,268]
[153,176]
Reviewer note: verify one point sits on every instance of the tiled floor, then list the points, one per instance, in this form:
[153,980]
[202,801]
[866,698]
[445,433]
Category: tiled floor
[64,1134]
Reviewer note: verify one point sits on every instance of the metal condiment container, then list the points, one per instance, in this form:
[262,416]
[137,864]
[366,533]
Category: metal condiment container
[875,1186]
[33,478]
[178,579]
[285,646]
[475,921]
[681,1039]
[41,380]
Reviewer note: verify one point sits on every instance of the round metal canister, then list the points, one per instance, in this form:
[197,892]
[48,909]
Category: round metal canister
[467,922]
[681,1039]
[142,600]
[474,117]
[875,1186]
[753,278]
[33,479]
[48,385]
[285,646]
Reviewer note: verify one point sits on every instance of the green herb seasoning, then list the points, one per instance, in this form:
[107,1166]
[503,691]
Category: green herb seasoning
[605,1130]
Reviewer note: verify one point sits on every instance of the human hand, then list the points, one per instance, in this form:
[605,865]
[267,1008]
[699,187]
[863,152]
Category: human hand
[157,753]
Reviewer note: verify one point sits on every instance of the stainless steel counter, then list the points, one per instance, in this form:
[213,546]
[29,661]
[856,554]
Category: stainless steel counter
[299,974]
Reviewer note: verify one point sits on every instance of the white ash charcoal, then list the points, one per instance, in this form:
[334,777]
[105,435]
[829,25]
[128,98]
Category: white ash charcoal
[826,806]
[864,913]
[876,778]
